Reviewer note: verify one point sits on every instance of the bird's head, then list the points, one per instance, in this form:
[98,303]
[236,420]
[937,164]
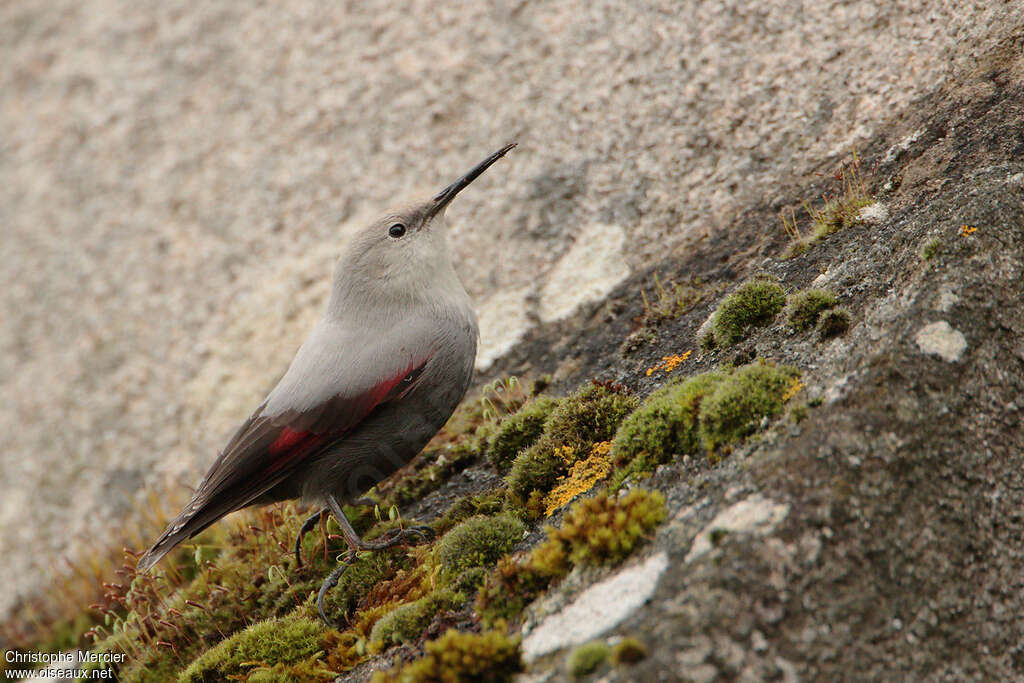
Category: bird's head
[403,254]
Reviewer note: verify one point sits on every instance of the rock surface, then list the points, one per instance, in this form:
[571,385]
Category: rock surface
[175,184]
[901,551]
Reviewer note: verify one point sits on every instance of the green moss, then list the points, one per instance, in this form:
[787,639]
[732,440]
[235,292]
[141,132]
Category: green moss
[536,469]
[517,432]
[629,650]
[586,658]
[487,504]
[469,581]
[301,672]
[736,407]
[590,415]
[603,529]
[701,412]
[666,424]
[755,303]
[408,621]
[478,542]
[488,656]
[264,644]
[805,307]
[930,249]
[833,323]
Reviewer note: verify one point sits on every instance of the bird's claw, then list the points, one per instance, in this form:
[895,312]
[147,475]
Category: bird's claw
[409,536]
[330,582]
[306,527]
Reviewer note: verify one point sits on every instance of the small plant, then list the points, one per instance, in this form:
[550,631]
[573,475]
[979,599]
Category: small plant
[600,530]
[579,421]
[502,397]
[629,650]
[517,432]
[486,504]
[838,211]
[701,412]
[488,656]
[931,248]
[797,242]
[668,302]
[408,621]
[736,407]
[833,323]
[666,425]
[603,529]
[515,583]
[841,210]
[586,658]
[478,542]
[755,303]
[293,645]
[806,306]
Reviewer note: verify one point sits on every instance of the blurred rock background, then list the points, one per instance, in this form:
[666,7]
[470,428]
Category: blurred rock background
[177,178]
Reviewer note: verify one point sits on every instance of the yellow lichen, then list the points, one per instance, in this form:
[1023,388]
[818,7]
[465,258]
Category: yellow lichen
[582,477]
[566,453]
[669,363]
[966,230]
[795,387]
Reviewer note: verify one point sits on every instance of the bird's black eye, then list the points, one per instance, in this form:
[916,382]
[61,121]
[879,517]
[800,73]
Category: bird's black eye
[396,230]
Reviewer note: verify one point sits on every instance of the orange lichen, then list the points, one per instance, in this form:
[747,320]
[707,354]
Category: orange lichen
[966,230]
[669,363]
[582,477]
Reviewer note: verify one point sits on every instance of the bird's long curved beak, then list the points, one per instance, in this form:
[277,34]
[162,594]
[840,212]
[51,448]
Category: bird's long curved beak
[448,193]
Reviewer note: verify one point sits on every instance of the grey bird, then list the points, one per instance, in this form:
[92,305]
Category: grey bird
[381,372]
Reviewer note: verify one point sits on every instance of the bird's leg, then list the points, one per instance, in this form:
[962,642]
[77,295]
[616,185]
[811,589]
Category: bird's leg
[388,540]
[355,544]
[306,527]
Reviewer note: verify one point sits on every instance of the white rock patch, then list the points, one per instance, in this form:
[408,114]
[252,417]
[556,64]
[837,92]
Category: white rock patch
[503,321]
[874,213]
[597,609]
[755,514]
[590,269]
[946,300]
[942,340]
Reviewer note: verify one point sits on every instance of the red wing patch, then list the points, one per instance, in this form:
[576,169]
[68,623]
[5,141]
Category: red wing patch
[293,445]
[288,438]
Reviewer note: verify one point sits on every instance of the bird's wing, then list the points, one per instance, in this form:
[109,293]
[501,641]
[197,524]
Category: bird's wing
[327,392]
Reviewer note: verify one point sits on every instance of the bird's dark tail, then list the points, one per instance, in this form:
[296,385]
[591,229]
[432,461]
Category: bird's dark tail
[194,518]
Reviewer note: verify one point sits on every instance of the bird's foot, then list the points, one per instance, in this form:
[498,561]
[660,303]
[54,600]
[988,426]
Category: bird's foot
[409,536]
[306,527]
[330,582]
